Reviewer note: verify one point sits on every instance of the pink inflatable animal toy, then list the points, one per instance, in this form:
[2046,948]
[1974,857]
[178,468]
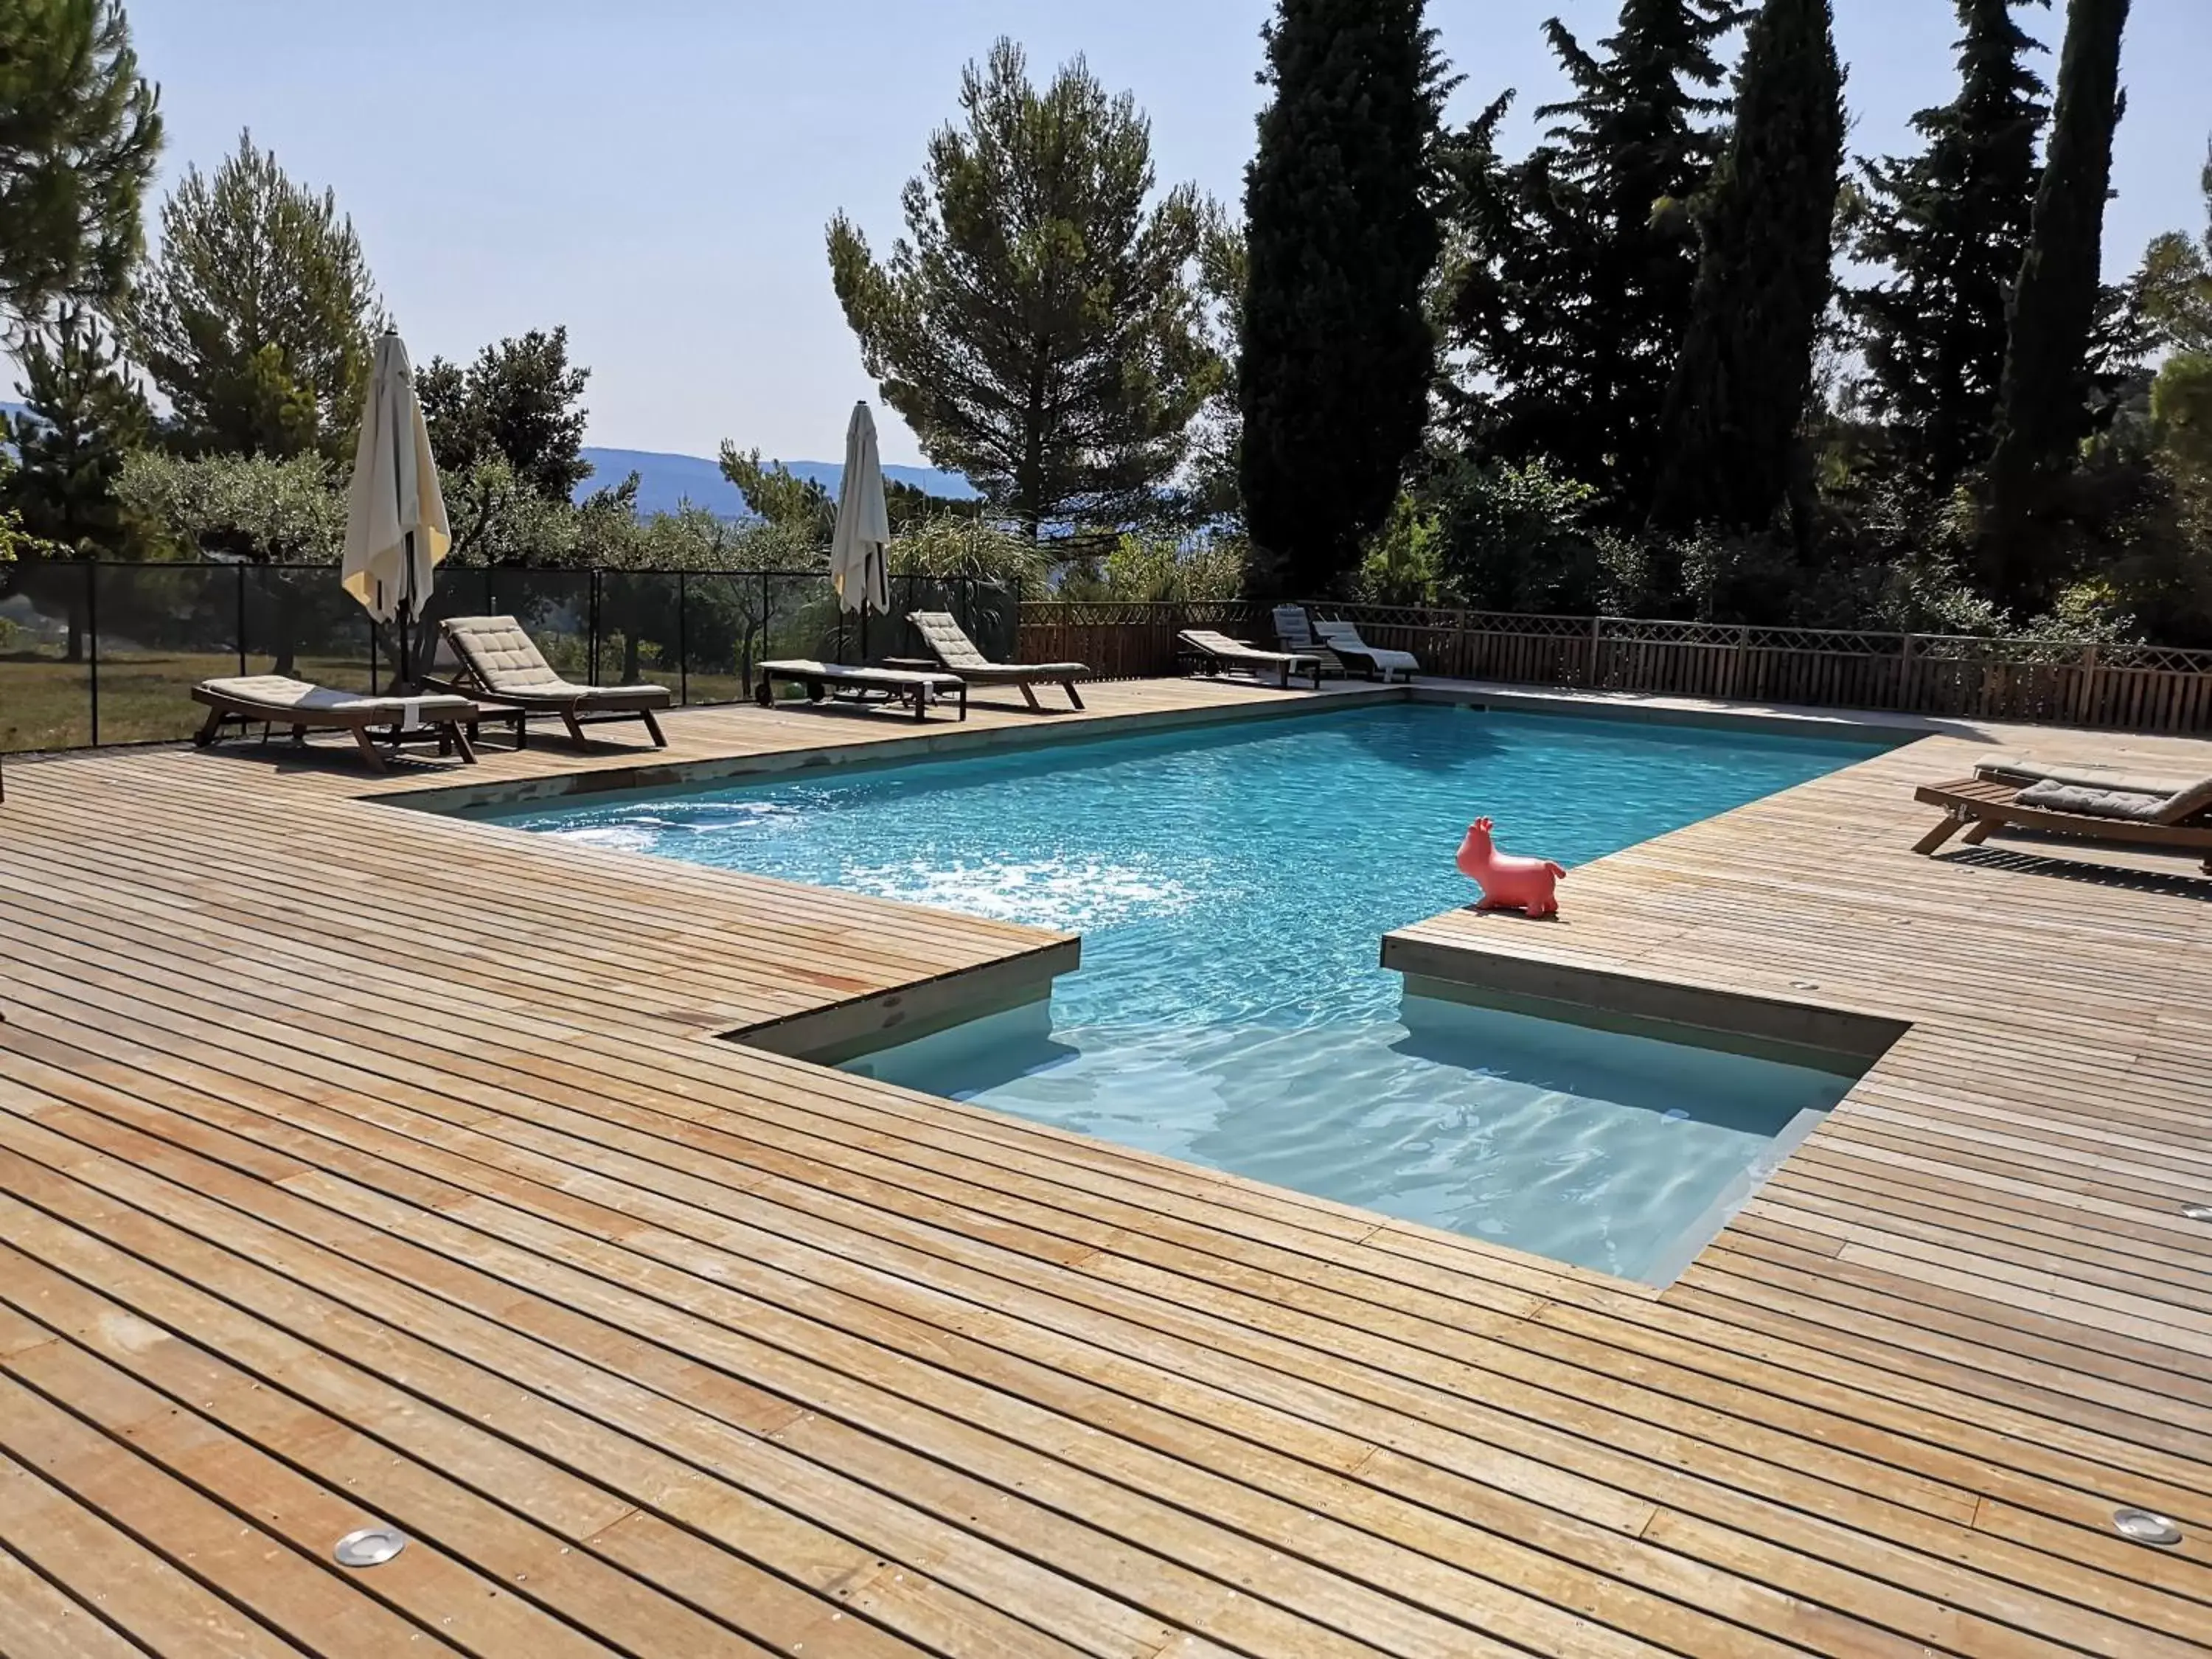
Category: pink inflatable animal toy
[1507,882]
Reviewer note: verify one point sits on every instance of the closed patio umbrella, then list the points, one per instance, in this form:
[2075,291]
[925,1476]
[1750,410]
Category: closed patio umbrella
[864,525]
[397,531]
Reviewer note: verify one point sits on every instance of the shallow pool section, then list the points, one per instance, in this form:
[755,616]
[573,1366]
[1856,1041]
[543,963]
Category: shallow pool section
[1622,1152]
[1231,884]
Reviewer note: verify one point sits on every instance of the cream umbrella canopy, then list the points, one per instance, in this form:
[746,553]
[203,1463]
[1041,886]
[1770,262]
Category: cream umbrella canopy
[864,525]
[397,532]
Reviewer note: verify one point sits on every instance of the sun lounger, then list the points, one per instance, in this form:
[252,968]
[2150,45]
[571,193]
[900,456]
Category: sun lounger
[829,679]
[273,699]
[1216,654]
[1294,633]
[1343,638]
[500,663]
[2022,773]
[2176,821]
[946,641]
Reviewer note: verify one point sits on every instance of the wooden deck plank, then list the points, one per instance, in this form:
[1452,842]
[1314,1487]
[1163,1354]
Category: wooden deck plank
[1404,1521]
[425,1179]
[36,1619]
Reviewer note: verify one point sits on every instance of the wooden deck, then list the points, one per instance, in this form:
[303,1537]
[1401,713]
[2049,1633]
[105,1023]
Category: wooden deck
[364,1165]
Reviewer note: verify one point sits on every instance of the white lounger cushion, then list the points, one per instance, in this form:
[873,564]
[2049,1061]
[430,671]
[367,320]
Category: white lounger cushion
[1390,662]
[807,668]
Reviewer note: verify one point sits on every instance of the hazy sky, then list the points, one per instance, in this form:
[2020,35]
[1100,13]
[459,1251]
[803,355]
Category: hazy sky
[657,173]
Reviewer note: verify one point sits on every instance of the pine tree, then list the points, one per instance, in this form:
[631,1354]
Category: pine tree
[1340,239]
[82,419]
[79,133]
[1951,225]
[1740,391]
[1577,263]
[1038,325]
[2043,400]
[516,402]
[256,319]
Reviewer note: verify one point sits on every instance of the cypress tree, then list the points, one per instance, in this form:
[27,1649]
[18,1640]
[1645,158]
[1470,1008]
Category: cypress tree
[1581,259]
[1341,236]
[2043,403]
[1763,278]
[1952,225]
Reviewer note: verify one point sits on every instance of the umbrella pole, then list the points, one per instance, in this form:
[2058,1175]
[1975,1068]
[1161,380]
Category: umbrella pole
[406,686]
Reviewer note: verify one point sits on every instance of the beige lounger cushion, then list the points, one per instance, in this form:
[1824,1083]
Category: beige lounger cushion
[508,661]
[950,644]
[1229,650]
[2140,805]
[2188,803]
[281,694]
[2021,772]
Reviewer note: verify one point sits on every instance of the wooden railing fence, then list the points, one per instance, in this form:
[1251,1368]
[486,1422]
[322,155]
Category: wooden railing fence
[2141,688]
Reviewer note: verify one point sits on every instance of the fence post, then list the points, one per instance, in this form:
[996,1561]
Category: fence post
[1742,651]
[1597,643]
[593,626]
[92,643]
[2085,699]
[241,621]
[683,639]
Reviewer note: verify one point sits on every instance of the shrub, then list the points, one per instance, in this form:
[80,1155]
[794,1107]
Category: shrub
[951,546]
[1140,569]
[1517,538]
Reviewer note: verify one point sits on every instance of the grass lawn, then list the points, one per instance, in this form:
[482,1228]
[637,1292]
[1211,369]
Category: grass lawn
[146,695]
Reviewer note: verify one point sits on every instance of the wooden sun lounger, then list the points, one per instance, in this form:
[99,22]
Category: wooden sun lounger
[946,641]
[501,664]
[1214,653]
[826,679]
[273,699]
[1974,807]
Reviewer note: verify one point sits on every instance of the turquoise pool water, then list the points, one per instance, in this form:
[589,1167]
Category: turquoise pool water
[1231,884]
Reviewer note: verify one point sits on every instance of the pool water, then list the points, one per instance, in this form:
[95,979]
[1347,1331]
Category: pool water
[1231,885]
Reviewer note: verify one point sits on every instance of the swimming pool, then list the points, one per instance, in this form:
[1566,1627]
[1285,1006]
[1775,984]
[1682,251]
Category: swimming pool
[1231,884]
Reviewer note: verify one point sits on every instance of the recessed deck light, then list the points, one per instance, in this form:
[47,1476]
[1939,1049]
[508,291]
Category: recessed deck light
[2197,1212]
[369,1547]
[2145,1528]
[1804,984]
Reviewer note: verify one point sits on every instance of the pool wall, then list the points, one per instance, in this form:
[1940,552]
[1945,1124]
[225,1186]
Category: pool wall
[1825,1038]
[903,743]
[845,1031]
[873,745]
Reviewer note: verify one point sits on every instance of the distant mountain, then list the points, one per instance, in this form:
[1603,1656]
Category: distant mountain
[666,482]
